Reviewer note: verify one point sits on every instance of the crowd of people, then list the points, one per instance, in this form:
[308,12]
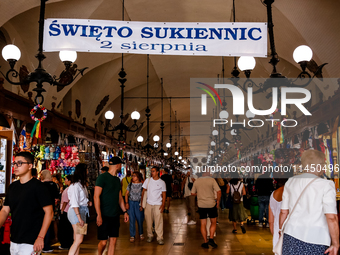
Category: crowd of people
[300,211]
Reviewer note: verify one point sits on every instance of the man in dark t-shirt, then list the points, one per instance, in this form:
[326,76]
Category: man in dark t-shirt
[29,204]
[107,200]
[53,191]
[264,187]
[167,178]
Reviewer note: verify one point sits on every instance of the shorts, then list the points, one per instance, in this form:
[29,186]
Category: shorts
[207,212]
[169,193]
[21,248]
[109,228]
[72,217]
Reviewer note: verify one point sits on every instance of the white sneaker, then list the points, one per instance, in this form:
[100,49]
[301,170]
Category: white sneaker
[267,225]
[260,225]
[192,222]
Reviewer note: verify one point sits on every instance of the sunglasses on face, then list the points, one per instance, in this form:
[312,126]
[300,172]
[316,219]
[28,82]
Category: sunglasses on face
[19,163]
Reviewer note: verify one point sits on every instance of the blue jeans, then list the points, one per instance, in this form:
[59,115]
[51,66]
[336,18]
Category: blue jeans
[263,207]
[47,239]
[135,214]
[223,203]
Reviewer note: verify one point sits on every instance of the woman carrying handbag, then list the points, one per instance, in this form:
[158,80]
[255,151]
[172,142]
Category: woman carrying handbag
[308,218]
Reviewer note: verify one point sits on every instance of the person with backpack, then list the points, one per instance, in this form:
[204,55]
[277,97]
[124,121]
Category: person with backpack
[133,197]
[237,213]
[190,199]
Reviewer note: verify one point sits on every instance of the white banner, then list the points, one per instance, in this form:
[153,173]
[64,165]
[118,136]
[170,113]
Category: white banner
[175,38]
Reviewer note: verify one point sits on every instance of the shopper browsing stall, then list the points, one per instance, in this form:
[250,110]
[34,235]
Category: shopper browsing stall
[107,201]
[30,206]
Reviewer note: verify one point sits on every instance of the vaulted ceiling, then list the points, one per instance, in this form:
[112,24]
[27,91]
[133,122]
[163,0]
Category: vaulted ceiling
[313,23]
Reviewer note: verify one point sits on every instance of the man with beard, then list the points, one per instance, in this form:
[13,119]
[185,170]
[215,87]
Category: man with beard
[107,200]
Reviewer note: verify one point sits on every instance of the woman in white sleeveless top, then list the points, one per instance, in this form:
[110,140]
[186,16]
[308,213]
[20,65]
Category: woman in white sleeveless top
[274,210]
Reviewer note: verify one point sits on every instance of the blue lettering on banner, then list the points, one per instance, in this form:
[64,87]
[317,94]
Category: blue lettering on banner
[243,33]
[55,28]
[84,31]
[162,48]
[178,33]
[236,33]
[120,32]
[109,31]
[95,33]
[125,46]
[250,33]
[142,45]
[233,34]
[199,32]
[146,33]
[214,31]
[70,29]
[159,38]
[158,32]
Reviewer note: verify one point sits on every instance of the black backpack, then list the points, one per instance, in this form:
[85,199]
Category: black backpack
[237,195]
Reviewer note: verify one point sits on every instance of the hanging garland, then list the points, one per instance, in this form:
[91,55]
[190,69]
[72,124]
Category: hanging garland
[280,137]
[37,125]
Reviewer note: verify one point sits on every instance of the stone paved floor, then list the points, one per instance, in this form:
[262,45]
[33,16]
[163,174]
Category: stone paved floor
[255,241]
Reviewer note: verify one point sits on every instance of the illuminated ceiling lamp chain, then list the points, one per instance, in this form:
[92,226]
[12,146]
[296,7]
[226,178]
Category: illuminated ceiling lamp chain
[148,148]
[302,55]
[12,54]
[135,115]
[161,151]
[168,145]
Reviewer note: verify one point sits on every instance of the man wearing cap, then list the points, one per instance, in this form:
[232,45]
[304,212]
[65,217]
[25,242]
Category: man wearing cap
[107,200]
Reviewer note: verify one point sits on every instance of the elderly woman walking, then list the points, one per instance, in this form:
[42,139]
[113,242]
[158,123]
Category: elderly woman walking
[312,223]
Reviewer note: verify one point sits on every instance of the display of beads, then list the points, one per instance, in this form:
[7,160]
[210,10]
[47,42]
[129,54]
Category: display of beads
[34,110]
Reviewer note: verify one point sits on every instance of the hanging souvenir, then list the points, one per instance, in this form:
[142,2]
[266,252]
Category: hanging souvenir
[37,125]
[22,139]
[47,153]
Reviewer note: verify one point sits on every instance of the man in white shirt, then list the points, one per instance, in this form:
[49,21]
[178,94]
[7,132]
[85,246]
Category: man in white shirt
[190,199]
[155,191]
[313,226]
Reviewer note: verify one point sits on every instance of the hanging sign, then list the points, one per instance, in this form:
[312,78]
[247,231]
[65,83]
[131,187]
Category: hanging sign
[175,38]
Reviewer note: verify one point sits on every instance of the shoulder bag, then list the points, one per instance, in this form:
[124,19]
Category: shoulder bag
[145,194]
[278,247]
[190,184]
